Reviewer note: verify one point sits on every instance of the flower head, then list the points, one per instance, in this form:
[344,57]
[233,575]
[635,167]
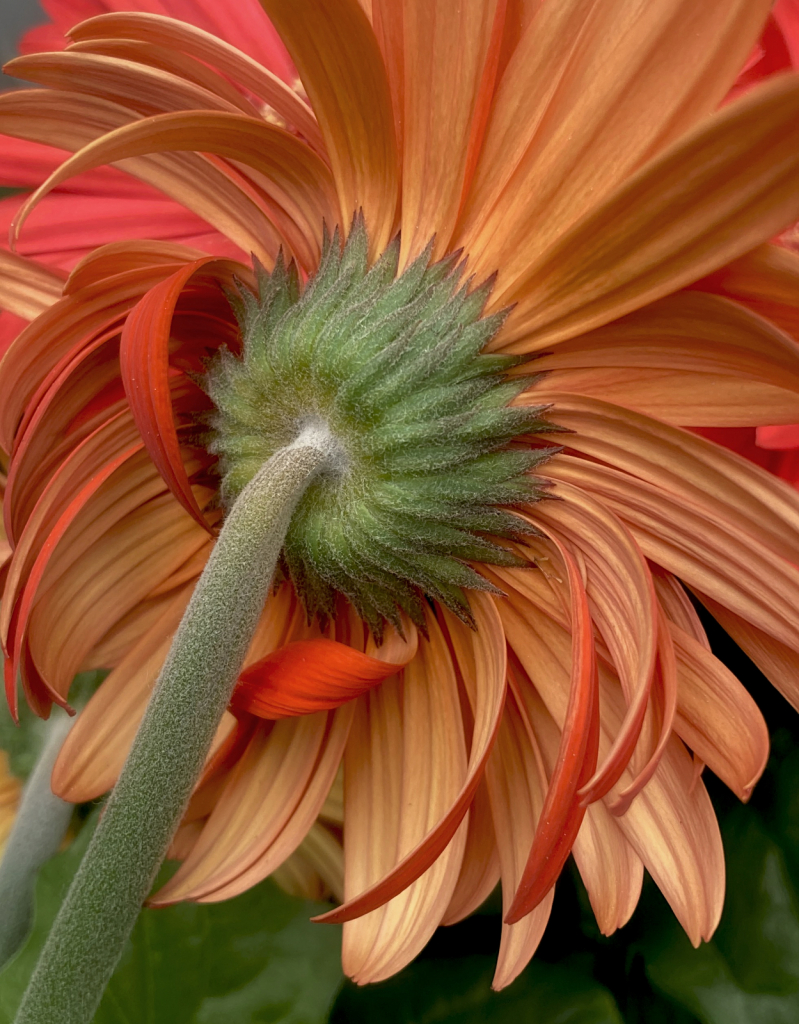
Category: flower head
[575,154]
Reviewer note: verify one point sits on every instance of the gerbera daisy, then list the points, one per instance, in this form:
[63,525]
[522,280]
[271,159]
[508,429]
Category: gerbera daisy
[492,634]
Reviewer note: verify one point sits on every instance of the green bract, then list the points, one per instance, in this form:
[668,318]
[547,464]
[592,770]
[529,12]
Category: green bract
[393,367]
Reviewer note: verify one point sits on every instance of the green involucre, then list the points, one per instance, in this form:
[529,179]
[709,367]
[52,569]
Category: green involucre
[394,367]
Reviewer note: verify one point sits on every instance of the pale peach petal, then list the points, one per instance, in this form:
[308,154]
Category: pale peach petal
[338,59]
[591,92]
[632,248]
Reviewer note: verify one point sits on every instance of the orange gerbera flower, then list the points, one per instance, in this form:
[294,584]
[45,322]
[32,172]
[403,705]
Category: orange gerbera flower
[571,149]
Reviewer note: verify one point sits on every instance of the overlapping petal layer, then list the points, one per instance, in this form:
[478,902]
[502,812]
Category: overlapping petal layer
[571,148]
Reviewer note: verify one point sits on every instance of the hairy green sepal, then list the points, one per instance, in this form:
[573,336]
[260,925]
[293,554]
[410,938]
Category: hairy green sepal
[395,368]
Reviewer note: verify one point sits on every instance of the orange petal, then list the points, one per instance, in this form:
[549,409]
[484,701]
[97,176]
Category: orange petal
[95,750]
[338,59]
[686,468]
[610,869]
[450,63]
[591,92]
[707,551]
[292,175]
[188,39]
[623,607]
[717,717]
[26,287]
[316,675]
[779,662]
[147,90]
[678,608]
[665,709]
[516,786]
[237,875]
[480,869]
[632,249]
[562,813]
[691,358]
[767,280]
[482,656]
[671,824]
[144,365]
[212,189]
[419,729]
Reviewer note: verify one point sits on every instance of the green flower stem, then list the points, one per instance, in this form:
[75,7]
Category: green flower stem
[167,756]
[39,827]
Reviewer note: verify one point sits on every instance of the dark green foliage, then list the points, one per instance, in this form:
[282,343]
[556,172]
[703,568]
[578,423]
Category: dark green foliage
[255,959]
[394,367]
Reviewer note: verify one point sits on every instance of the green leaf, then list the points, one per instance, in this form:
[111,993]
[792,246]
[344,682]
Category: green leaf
[458,991]
[255,959]
[749,973]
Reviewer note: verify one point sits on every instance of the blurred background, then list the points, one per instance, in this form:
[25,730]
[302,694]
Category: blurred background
[15,17]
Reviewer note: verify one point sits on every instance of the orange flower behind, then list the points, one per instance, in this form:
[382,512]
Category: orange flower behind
[576,154]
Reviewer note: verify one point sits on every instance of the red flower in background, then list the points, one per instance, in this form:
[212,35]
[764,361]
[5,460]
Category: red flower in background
[106,204]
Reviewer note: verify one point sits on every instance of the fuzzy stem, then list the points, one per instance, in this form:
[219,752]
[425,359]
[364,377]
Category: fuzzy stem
[168,753]
[39,827]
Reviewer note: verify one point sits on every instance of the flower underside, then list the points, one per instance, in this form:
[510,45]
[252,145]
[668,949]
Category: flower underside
[394,367]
